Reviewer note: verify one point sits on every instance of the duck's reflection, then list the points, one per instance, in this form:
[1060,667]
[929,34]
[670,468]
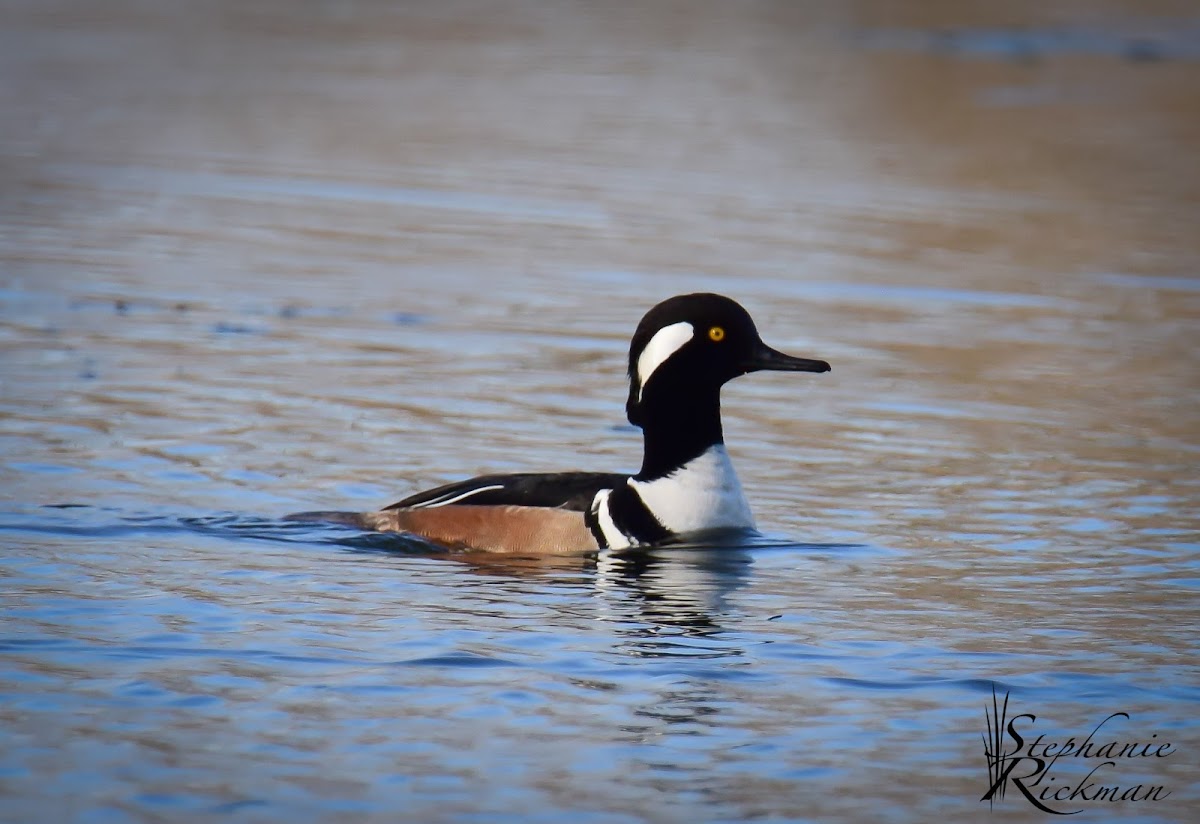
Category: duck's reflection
[662,601]
[681,588]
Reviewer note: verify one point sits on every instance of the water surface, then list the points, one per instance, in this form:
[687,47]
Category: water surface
[258,260]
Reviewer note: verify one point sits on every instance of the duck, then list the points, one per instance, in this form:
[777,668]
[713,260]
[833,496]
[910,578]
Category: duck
[684,350]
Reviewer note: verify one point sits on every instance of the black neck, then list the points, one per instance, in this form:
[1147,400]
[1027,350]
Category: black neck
[677,427]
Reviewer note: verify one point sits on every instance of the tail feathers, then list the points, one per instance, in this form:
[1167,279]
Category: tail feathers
[358,520]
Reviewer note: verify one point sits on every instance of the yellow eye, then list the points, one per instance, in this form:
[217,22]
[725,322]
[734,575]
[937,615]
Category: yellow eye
[716,334]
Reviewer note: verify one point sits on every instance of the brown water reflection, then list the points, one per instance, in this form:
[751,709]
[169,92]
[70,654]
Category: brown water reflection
[260,257]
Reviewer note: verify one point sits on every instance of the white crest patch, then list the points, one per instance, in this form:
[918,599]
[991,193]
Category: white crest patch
[665,343]
[702,494]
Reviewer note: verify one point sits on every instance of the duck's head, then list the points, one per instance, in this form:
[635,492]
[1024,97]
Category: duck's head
[688,346]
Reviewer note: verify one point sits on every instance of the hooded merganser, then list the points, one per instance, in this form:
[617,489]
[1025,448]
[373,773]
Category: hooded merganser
[683,351]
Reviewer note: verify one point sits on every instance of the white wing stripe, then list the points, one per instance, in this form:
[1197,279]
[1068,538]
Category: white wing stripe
[443,501]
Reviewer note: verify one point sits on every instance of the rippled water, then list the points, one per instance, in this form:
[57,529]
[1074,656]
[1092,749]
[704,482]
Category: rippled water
[256,260]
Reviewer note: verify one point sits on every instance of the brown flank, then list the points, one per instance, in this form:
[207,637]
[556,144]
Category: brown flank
[527,529]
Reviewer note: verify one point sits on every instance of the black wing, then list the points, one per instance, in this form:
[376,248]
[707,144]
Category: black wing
[563,490]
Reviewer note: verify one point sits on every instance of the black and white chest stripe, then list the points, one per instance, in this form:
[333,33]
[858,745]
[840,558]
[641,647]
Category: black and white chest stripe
[703,494]
[618,518]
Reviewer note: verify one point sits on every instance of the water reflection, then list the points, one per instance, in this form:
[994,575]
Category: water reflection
[660,596]
[679,595]
[665,601]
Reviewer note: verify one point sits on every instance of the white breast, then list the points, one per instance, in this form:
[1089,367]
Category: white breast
[702,494]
